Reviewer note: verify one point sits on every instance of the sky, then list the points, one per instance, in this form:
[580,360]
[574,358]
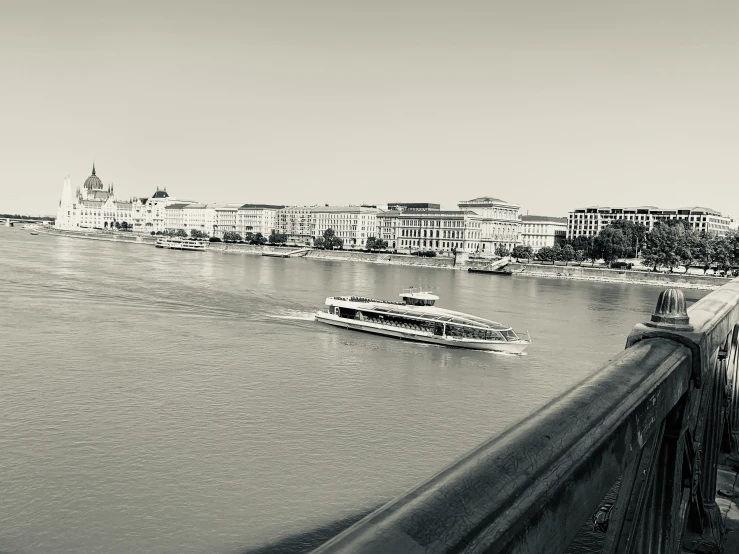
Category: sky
[552,105]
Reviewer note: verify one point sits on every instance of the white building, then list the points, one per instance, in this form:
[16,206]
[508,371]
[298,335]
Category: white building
[174,216]
[200,217]
[296,222]
[353,224]
[592,220]
[224,219]
[437,230]
[387,227]
[500,222]
[538,231]
[93,206]
[257,218]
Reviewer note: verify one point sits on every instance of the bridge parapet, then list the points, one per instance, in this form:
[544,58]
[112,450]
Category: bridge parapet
[651,423]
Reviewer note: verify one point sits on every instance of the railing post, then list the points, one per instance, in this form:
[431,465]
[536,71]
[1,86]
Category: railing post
[672,485]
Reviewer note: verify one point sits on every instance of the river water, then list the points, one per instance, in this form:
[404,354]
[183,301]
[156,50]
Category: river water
[185,402]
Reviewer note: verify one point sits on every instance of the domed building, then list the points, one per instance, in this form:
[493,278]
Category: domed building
[93,206]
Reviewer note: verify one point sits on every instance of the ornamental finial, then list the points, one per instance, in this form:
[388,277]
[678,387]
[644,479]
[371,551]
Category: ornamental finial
[671,311]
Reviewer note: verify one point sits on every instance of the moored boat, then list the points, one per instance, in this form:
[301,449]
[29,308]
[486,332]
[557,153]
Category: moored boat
[176,243]
[417,318]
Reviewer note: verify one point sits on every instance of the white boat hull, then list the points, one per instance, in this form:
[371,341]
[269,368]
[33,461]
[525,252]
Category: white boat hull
[510,347]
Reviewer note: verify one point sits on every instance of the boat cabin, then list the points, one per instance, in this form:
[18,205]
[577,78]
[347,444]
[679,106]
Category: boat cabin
[418,298]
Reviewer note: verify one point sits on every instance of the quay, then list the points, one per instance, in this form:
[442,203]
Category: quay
[656,429]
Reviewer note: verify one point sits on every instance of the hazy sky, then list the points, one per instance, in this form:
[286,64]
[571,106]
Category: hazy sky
[550,104]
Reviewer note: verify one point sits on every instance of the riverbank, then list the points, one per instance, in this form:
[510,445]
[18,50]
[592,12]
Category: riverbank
[578,273]
[584,273]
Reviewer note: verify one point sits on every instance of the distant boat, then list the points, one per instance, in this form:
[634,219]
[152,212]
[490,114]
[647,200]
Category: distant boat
[34,232]
[490,271]
[417,319]
[180,244]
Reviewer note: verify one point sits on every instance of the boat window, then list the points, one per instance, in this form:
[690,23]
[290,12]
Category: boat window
[509,335]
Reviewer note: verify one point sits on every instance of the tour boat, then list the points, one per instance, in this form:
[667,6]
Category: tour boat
[417,319]
[176,243]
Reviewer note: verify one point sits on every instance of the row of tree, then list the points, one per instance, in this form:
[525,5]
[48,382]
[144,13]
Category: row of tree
[121,225]
[670,244]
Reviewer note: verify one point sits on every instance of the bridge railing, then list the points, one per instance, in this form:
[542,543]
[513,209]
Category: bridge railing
[651,422]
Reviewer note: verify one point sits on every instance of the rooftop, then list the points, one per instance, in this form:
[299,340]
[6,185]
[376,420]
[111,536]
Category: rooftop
[260,207]
[487,200]
[543,218]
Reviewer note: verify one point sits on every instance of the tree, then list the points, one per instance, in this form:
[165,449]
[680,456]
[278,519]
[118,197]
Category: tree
[545,254]
[320,242]
[610,244]
[633,232]
[687,249]
[231,236]
[579,256]
[705,250]
[501,251]
[257,238]
[528,251]
[124,225]
[568,254]
[556,253]
[117,224]
[181,233]
[198,234]
[519,251]
[331,241]
[277,238]
[375,243]
[660,246]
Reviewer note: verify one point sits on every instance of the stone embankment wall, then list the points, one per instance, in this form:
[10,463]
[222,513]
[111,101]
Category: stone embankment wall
[584,273]
[389,259]
[101,235]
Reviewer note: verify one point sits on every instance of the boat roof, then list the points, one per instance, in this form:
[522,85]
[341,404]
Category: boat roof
[422,295]
[436,315]
[416,292]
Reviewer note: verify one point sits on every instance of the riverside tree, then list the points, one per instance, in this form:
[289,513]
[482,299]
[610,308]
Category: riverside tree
[258,239]
[567,254]
[277,238]
[545,254]
[501,251]
[610,244]
[375,244]
[231,236]
[518,252]
[331,241]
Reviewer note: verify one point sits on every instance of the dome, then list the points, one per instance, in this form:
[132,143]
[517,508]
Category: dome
[92,182]
[160,194]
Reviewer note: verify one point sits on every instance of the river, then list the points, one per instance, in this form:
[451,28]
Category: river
[185,402]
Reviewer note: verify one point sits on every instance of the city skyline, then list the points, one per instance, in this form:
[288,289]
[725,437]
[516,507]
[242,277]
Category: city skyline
[550,107]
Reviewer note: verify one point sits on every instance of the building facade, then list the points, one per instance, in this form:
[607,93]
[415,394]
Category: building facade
[257,218]
[92,206]
[174,216]
[500,222]
[440,231]
[538,231]
[592,220]
[296,222]
[387,227]
[224,219]
[352,224]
